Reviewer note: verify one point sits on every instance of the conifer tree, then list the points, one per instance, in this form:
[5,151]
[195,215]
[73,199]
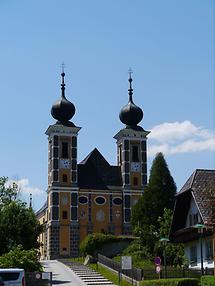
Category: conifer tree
[158,195]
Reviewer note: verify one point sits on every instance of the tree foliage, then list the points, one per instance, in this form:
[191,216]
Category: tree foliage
[8,193]
[20,258]
[152,215]
[174,251]
[19,226]
[158,195]
[18,223]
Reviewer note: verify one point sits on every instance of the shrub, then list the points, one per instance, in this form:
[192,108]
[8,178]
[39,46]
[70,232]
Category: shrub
[171,282]
[19,258]
[94,242]
[207,280]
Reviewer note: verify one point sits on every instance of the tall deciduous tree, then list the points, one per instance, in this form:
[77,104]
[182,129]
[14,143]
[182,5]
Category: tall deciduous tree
[18,223]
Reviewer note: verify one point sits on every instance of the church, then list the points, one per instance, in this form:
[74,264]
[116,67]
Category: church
[90,196]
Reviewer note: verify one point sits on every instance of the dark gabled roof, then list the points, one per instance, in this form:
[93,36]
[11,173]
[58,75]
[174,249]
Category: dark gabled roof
[94,172]
[200,186]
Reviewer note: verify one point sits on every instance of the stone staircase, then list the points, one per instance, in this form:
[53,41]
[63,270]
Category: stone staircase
[88,276]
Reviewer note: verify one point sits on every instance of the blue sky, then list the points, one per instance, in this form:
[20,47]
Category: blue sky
[170,46]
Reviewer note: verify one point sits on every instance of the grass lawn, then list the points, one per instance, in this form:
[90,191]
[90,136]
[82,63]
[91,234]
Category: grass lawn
[112,276]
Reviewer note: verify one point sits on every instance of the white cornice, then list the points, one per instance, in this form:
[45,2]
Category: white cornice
[131,134]
[57,129]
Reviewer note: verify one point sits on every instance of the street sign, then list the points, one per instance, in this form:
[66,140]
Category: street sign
[158,269]
[157,261]
[126,262]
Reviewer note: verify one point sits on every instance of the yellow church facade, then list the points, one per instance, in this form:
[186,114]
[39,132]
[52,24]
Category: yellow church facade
[90,196]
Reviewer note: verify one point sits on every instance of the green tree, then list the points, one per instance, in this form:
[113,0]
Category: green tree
[151,216]
[158,195]
[174,251]
[20,258]
[8,193]
[19,226]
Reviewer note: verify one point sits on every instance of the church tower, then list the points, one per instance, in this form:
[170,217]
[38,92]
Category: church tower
[62,202]
[131,156]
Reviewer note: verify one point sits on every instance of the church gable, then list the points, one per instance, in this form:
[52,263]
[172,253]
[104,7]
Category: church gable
[94,172]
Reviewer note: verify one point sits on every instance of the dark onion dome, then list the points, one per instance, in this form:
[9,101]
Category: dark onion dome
[63,110]
[131,114]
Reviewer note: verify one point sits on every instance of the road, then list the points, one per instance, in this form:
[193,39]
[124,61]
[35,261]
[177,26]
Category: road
[62,275]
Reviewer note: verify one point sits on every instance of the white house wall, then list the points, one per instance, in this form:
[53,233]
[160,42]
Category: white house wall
[206,262]
[193,211]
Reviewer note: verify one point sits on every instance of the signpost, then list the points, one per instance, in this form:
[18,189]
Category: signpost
[126,264]
[157,261]
[157,265]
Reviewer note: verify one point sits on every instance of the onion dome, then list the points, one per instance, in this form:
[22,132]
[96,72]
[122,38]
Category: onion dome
[63,110]
[131,114]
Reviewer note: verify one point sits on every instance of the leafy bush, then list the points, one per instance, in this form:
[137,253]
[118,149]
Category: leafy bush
[140,255]
[19,258]
[207,280]
[94,242]
[171,282]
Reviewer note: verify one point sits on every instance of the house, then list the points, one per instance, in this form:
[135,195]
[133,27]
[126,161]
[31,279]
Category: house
[90,196]
[194,218]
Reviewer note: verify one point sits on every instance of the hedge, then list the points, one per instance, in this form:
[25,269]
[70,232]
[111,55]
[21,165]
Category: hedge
[207,280]
[172,282]
[94,242]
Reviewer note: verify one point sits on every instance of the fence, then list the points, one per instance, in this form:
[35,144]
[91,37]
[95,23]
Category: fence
[176,273]
[146,274]
[38,278]
[134,273]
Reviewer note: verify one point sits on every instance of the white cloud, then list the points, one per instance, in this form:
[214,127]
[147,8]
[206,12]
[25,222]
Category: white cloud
[25,188]
[180,137]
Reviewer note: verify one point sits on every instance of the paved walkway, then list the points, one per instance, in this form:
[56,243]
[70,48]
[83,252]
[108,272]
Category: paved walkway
[62,275]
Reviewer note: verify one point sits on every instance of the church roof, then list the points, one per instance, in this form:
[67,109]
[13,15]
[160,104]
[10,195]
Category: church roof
[94,172]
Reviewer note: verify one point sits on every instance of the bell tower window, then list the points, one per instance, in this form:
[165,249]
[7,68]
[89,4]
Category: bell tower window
[135,181]
[135,153]
[120,155]
[64,178]
[65,153]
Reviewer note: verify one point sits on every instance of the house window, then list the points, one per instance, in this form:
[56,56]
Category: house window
[64,215]
[135,153]
[190,220]
[195,218]
[193,254]
[209,250]
[65,153]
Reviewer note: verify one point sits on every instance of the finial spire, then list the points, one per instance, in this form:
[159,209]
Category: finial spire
[30,201]
[63,84]
[130,90]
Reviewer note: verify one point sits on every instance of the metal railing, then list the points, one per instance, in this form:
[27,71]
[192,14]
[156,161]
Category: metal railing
[134,273]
